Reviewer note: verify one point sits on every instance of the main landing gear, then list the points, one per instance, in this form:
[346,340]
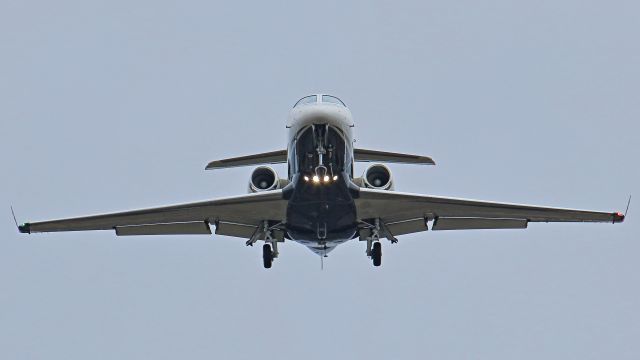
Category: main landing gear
[269,252]
[374,247]
[374,250]
[267,256]
[376,253]
[270,247]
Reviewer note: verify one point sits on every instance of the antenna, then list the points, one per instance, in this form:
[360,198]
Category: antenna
[14,217]
[322,256]
[627,209]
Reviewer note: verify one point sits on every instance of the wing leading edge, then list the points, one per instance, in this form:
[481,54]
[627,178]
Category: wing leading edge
[457,214]
[191,218]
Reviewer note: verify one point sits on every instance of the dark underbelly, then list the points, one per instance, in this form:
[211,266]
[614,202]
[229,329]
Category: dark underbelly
[321,212]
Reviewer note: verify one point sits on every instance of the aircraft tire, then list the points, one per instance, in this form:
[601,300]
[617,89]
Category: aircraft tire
[267,256]
[376,253]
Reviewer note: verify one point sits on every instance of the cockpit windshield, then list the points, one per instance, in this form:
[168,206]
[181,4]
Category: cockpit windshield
[332,100]
[311,99]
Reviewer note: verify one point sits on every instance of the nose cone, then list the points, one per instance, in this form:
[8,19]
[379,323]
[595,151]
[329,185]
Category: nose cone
[320,113]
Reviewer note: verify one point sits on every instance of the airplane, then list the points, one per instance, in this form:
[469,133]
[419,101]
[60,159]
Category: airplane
[321,204]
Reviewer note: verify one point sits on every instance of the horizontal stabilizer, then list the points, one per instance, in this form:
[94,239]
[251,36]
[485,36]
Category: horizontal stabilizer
[273,157]
[389,157]
[280,156]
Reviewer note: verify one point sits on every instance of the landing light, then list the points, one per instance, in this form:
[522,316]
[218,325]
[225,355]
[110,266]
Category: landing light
[316,179]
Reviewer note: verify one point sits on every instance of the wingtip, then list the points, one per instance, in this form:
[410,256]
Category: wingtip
[618,217]
[25,228]
[428,161]
[211,165]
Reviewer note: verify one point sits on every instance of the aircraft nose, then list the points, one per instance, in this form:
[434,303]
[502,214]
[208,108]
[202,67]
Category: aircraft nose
[310,114]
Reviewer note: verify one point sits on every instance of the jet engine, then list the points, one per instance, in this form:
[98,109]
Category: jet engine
[264,178]
[379,177]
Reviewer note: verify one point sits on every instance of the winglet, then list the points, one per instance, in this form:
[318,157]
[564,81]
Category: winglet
[14,216]
[628,203]
[24,228]
[618,217]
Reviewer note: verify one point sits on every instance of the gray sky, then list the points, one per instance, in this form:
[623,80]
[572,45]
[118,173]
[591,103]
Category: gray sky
[117,105]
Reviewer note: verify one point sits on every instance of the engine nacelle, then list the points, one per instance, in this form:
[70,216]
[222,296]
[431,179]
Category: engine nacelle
[264,178]
[378,176]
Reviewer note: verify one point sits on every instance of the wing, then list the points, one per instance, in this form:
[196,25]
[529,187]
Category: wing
[383,156]
[273,157]
[235,216]
[409,212]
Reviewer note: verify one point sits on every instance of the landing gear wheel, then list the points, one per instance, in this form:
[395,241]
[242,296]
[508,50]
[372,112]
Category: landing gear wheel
[376,253]
[267,256]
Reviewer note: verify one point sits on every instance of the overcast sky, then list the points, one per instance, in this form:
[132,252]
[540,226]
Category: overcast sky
[118,105]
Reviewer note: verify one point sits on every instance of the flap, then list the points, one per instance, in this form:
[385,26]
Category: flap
[188,228]
[477,223]
[399,228]
[407,227]
[242,230]
[236,230]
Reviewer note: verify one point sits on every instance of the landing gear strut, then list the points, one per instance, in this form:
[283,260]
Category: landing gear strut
[374,247]
[270,247]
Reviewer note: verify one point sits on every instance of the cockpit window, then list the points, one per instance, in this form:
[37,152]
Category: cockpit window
[332,100]
[311,99]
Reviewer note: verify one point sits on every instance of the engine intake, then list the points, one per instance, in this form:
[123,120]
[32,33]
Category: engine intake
[263,178]
[379,177]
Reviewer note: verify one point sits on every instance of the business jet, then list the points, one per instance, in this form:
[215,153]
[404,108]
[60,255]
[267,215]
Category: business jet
[321,204]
